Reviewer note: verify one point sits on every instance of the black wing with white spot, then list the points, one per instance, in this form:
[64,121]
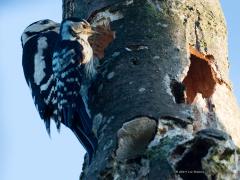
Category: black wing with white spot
[37,67]
[69,73]
[53,71]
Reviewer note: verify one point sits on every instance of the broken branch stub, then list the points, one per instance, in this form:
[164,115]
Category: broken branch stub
[134,137]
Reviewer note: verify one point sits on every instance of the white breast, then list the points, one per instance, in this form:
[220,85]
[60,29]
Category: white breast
[87,53]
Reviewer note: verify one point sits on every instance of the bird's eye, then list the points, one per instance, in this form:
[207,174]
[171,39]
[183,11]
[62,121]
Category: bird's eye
[84,26]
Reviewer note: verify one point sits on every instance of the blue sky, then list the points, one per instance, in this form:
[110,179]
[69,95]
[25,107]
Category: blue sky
[231,11]
[27,153]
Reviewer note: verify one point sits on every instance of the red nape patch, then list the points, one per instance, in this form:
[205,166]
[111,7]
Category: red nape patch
[201,78]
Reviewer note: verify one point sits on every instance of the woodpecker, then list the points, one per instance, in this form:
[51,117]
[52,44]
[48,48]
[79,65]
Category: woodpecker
[51,59]
[73,69]
[38,42]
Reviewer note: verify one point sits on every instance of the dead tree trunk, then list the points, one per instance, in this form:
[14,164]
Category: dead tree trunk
[163,107]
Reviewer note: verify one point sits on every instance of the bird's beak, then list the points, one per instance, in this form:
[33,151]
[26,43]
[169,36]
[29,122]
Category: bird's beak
[91,32]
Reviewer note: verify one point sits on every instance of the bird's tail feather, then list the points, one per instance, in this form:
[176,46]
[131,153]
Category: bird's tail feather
[84,123]
[88,142]
[47,123]
[75,117]
[84,117]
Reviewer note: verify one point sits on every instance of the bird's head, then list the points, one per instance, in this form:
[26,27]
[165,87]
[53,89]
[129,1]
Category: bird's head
[37,28]
[74,28]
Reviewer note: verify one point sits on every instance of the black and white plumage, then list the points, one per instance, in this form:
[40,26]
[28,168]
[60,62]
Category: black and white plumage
[38,42]
[74,70]
[59,70]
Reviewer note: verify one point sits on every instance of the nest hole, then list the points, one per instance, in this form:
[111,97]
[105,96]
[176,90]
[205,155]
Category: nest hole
[201,77]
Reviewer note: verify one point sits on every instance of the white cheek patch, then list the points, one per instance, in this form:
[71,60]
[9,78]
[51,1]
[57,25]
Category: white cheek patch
[90,70]
[39,61]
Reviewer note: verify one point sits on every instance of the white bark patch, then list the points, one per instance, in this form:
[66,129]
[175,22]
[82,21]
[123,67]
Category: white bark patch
[115,54]
[181,76]
[110,75]
[39,62]
[141,90]
[127,49]
[156,57]
[136,48]
[142,47]
[167,83]
[129,2]
[106,17]
[162,25]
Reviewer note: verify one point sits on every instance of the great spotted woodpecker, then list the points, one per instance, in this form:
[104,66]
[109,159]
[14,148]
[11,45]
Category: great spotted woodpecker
[38,42]
[59,68]
[73,68]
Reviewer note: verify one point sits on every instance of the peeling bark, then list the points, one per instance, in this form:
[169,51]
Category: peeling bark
[163,106]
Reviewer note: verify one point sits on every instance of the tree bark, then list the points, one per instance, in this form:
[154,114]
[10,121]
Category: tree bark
[163,107]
